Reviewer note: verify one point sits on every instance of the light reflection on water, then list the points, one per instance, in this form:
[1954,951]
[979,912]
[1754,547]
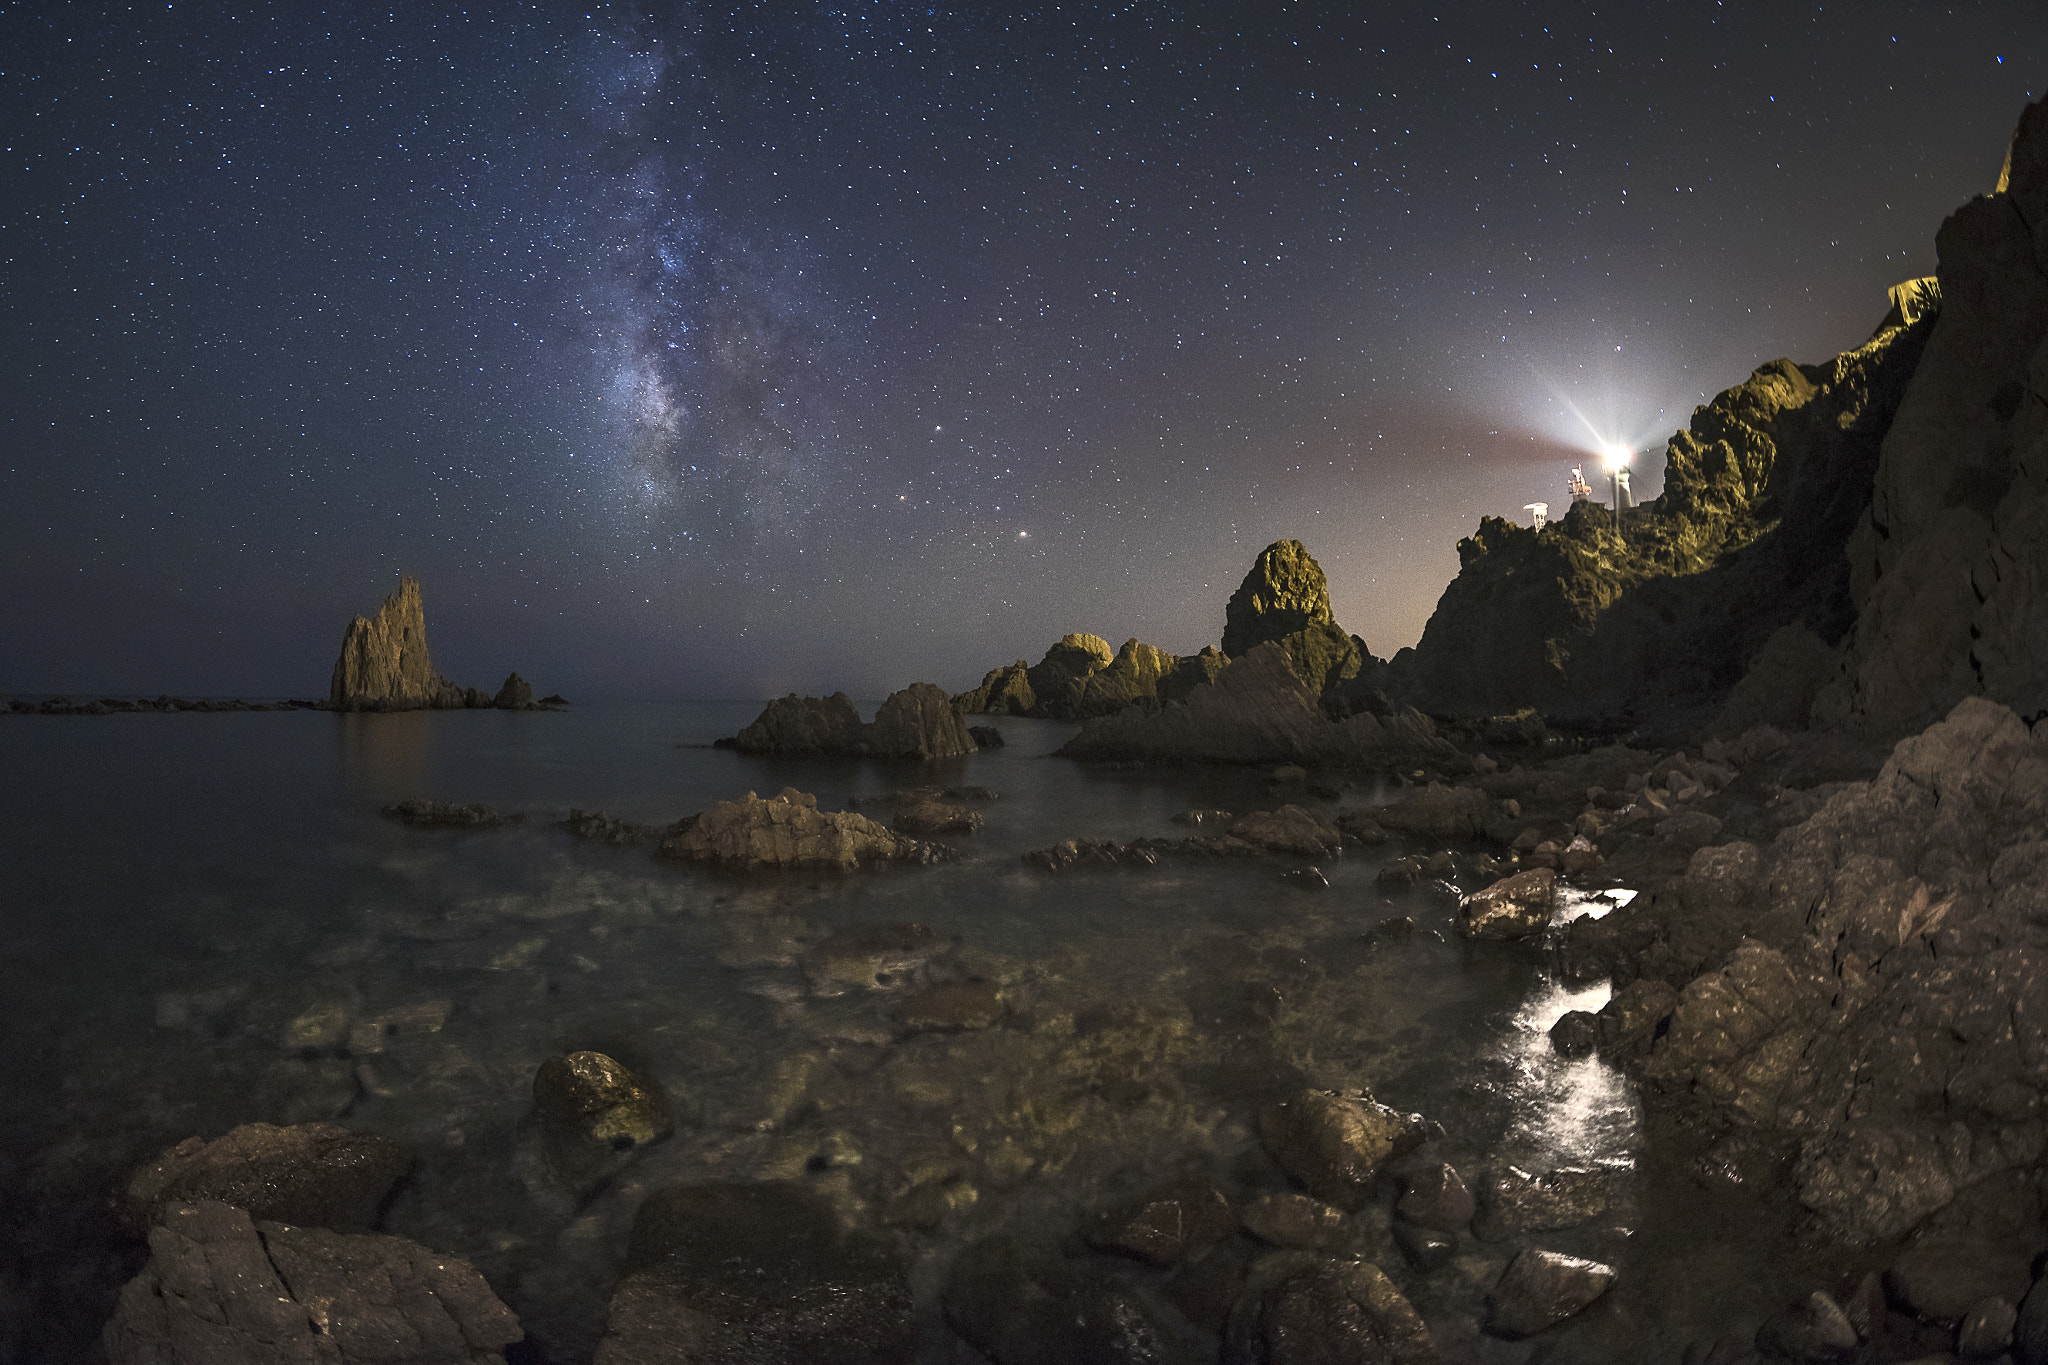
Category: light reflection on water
[1571,1111]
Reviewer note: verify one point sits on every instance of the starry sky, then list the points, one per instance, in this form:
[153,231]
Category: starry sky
[696,351]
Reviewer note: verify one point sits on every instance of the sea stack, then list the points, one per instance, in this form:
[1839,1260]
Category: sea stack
[384,664]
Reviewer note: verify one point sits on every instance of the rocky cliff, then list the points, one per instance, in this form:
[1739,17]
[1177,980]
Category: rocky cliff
[1946,569]
[1079,678]
[918,722]
[384,665]
[1657,614]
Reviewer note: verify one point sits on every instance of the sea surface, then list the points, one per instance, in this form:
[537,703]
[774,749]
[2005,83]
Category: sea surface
[205,920]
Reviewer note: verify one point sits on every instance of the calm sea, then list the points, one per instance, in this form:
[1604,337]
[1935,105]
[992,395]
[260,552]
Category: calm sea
[207,922]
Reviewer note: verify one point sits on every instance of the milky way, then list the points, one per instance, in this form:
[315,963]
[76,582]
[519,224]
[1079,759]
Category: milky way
[694,352]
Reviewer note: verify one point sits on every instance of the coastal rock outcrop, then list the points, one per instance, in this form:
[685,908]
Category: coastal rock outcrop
[384,665]
[1257,711]
[313,1173]
[223,1289]
[788,830]
[1079,677]
[1285,591]
[917,722]
[1866,990]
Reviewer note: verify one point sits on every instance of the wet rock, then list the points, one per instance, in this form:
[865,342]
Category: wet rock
[1019,1309]
[1335,1142]
[1938,1279]
[1296,1221]
[515,695]
[449,815]
[223,1289]
[1290,829]
[1205,818]
[985,736]
[1437,811]
[1299,1308]
[1542,1288]
[1813,1329]
[1688,829]
[1427,1249]
[789,830]
[867,957]
[1359,828]
[1633,1016]
[1986,1330]
[926,818]
[314,1174]
[2030,1327]
[755,1273]
[1513,1201]
[1435,1196]
[1513,907]
[1205,1287]
[1575,1034]
[601,1099]
[1399,874]
[1164,1226]
[952,1007]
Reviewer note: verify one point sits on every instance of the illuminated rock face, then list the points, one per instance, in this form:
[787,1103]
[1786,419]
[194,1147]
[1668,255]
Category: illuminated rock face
[1285,591]
[384,664]
[1079,679]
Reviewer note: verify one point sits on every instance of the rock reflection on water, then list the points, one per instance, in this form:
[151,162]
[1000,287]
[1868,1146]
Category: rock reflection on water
[1571,1111]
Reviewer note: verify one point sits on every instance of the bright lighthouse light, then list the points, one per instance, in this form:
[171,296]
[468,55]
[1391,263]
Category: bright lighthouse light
[1616,456]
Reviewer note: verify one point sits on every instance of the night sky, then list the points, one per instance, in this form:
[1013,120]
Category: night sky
[695,352]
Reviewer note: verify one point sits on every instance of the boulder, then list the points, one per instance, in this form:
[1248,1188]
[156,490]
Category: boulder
[600,1100]
[515,695]
[1290,829]
[1059,679]
[384,664]
[1540,1289]
[1513,907]
[1437,811]
[1296,1221]
[1940,1278]
[755,1273]
[1986,1330]
[1164,1226]
[1299,1308]
[788,830]
[1435,1196]
[985,736]
[223,1289]
[1575,1034]
[1022,1309]
[796,726]
[1335,1142]
[1427,1249]
[1285,592]
[315,1174]
[927,817]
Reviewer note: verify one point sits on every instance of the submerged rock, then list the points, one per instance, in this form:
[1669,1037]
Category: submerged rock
[952,1007]
[1164,1226]
[448,815]
[317,1174]
[1020,1309]
[788,830]
[1290,829]
[1513,1201]
[1815,1329]
[223,1289]
[1335,1142]
[601,1100]
[755,1273]
[1299,1308]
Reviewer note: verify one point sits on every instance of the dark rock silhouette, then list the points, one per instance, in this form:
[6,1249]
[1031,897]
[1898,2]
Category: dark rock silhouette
[315,1173]
[918,722]
[515,695]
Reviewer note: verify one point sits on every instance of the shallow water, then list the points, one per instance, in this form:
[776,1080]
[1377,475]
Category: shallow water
[208,922]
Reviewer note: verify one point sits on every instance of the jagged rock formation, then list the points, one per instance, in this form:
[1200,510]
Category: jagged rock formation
[1659,614]
[917,722]
[1286,591]
[1079,678]
[221,1289]
[1946,565]
[788,830]
[384,665]
[1258,711]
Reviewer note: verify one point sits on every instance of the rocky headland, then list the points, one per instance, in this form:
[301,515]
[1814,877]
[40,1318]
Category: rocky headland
[384,666]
